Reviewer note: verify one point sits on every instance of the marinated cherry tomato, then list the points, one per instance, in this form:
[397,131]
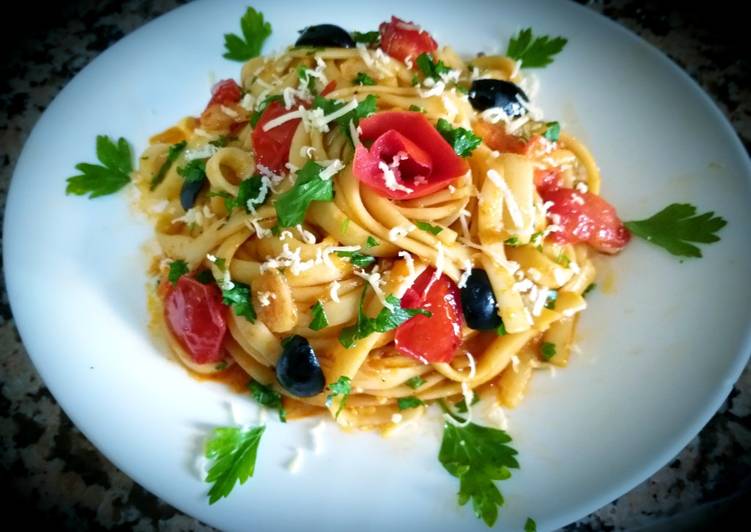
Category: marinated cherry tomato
[272,147]
[548,179]
[225,92]
[408,158]
[437,338]
[197,318]
[585,217]
[402,39]
[495,136]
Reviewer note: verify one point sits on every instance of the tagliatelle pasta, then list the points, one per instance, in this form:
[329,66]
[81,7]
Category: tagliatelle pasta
[302,210]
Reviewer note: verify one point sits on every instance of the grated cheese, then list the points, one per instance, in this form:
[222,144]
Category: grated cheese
[307,151]
[229,112]
[264,298]
[374,280]
[396,418]
[334,291]
[398,232]
[513,208]
[333,168]
[247,102]
[438,261]
[542,298]
[316,436]
[389,177]
[466,273]
[203,152]
[409,261]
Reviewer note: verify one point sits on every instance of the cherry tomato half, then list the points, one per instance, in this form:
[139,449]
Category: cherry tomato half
[437,338]
[197,318]
[272,147]
[402,39]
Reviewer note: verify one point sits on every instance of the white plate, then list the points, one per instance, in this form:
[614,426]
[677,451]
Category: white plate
[659,353]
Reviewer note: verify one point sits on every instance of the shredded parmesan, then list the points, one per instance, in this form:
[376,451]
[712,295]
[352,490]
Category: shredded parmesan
[229,112]
[466,273]
[409,261]
[395,233]
[389,177]
[396,418]
[334,291]
[333,168]
[307,236]
[513,208]
[374,280]
[264,298]
[438,261]
[203,152]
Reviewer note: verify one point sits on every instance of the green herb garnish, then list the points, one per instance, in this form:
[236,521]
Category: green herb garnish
[548,350]
[405,403]
[177,269]
[429,68]
[109,177]
[233,451]
[371,38]
[356,258]
[342,388]
[173,153]
[309,186]
[675,226]
[415,382]
[266,396]
[462,140]
[552,132]
[255,31]
[238,298]
[432,229]
[320,320]
[194,171]
[534,52]
[363,79]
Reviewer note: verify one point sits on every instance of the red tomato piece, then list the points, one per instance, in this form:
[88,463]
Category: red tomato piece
[407,142]
[197,318]
[272,147]
[585,217]
[437,338]
[225,92]
[548,180]
[402,39]
[330,87]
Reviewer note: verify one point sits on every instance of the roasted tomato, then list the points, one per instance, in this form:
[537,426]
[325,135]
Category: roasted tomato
[407,159]
[495,136]
[585,217]
[197,318]
[402,39]
[272,147]
[433,339]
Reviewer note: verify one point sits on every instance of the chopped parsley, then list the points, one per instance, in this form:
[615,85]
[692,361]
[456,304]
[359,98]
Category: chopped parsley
[238,298]
[173,153]
[341,388]
[416,108]
[675,226]
[363,79]
[551,299]
[365,108]
[405,403]
[371,243]
[552,132]
[267,397]
[320,320]
[177,269]
[534,52]
[501,330]
[530,525]
[548,350]
[461,406]
[429,68]
[109,177]
[432,229]
[415,382]
[587,290]
[255,30]
[234,451]
[356,258]
[251,192]
[309,186]
[369,37]
[512,241]
[385,321]
[478,456]
[462,140]
[194,171]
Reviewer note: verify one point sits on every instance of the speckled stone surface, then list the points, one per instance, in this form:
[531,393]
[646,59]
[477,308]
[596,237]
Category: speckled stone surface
[53,477]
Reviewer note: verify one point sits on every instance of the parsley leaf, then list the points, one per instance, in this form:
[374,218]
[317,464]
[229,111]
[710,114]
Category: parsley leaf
[251,192]
[587,290]
[173,153]
[432,229]
[320,320]
[255,32]
[512,241]
[552,132]
[530,525]
[291,206]
[534,52]
[194,171]
[461,406]
[501,330]
[385,320]
[369,37]
[238,298]
[365,108]
[342,387]
[266,396]
[405,403]
[371,243]
[234,451]
[177,269]
[429,68]
[477,456]
[97,180]
[356,258]
[415,382]
[363,79]
[462,140]
[548,350]
[675,226]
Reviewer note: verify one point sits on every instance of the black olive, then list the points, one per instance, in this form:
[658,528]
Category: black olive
[327,35]
[298,370]
[487,93]
[478,302]
[189,193]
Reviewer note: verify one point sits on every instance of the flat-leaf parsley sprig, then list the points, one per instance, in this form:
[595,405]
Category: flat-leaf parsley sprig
[109,177]
[534,51]
[234,451]
[255,31]
[675,226]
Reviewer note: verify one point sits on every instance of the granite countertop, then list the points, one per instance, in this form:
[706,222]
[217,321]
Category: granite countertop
[54,477]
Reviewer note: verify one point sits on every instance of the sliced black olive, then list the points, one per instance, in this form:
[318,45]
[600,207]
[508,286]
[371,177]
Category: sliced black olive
[478,302]
[327,35]
[487,93]
[298,370]
[189,193]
